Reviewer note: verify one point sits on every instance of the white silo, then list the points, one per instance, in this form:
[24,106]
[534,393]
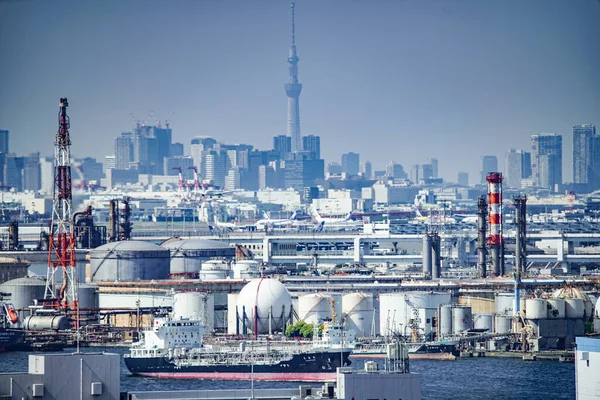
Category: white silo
[392,313]
[193,305]
[246,269]
[315,308]
[272,303]
[536,308]
[358,310]
[462,319]
[445,319]
[556,308]
[214,270]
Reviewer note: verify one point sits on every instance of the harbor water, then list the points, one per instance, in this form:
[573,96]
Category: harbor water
[465,378]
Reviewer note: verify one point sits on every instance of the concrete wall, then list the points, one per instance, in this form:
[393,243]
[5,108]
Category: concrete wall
[587,368]
[66,376]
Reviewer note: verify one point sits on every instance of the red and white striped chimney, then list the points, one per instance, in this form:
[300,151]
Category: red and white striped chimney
[494,180]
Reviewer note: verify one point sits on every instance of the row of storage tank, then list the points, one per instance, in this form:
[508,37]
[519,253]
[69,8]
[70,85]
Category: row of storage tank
[132,260]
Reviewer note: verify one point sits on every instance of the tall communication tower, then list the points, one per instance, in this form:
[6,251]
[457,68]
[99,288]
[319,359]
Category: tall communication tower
[61,249]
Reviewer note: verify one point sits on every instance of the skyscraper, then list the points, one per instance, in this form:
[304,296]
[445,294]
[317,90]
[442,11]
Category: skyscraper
[282,145]
[3,141]
[312,145]
[463,178]
[488,164]
[32,173]
[582,143]
[546,160]
[517,166]
[293,89]
[123,150]
[366,169]
[350,163]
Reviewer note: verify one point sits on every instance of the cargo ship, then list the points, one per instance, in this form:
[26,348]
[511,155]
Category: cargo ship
[175,349]
[420,351]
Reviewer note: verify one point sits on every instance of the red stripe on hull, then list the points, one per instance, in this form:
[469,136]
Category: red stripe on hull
[242,376]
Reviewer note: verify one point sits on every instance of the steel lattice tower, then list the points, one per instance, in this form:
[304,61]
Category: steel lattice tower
[61,252]
[293,89]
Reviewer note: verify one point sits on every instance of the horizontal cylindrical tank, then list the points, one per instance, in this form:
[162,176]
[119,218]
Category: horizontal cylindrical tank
[197,306]
[358,310]
[214,270]
[46,322]
[462,319]
[502,324]
[536,308]
[574,308]
[128,261]
[556,308]
[315,308]
[246,269]
[445,319]
[483,321]
[505,303]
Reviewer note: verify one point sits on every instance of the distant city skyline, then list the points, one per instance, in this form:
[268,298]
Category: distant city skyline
[483,79]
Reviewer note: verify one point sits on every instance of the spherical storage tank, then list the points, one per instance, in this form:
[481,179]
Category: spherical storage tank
[23,291]
[214,270]
[269,297]
[536,309]
[246,269]
[462,319]
[128,261]
[445,319]
[314,308]
[198,306]
[188,255]
[358,310]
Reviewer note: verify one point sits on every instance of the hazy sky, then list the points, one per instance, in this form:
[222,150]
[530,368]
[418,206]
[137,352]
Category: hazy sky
[390,79]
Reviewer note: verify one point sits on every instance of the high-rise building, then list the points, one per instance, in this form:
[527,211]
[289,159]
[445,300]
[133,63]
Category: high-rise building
[517,166]
[233,179]
[177,149]
[171,164]
[350,163]
[582,143]
[123,150]
[300,173]
[198,146]
[282,145]
[463,178]
[151,145]
[488,164]
[395,170]
[293,89]
[366,169]
[4,141]
[47,174]
[214,167]
[546,171]
[434,166]
[32,173]
[334,168]
[312,145]
[13,171]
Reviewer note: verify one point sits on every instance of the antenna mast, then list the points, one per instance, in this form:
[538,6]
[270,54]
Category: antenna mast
[61,249]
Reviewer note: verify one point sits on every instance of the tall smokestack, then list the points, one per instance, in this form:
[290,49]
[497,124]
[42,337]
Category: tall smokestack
[481,236]
[494,180]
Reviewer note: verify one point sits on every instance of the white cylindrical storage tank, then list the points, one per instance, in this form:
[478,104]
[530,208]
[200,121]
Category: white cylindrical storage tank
[483,321]
[462,319]
[198,306]
[536,308]
[246,269]
[22,293]
[431,300]
[358,310]
[214,270]
[505,303]
[128,261]
[392,313]
[556,308]
[270,298]
[315,308]
[574,308]
[445,319]
[188,255]
[502,324]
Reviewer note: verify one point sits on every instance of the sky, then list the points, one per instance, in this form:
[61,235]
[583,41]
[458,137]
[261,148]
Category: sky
[389,79]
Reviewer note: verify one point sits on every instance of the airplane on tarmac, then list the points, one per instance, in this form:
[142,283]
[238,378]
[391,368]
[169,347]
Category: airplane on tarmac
[344,223]
[200,189]
[435,219]
[268,222]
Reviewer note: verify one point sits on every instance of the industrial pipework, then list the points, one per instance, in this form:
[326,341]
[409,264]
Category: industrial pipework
[495,243]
